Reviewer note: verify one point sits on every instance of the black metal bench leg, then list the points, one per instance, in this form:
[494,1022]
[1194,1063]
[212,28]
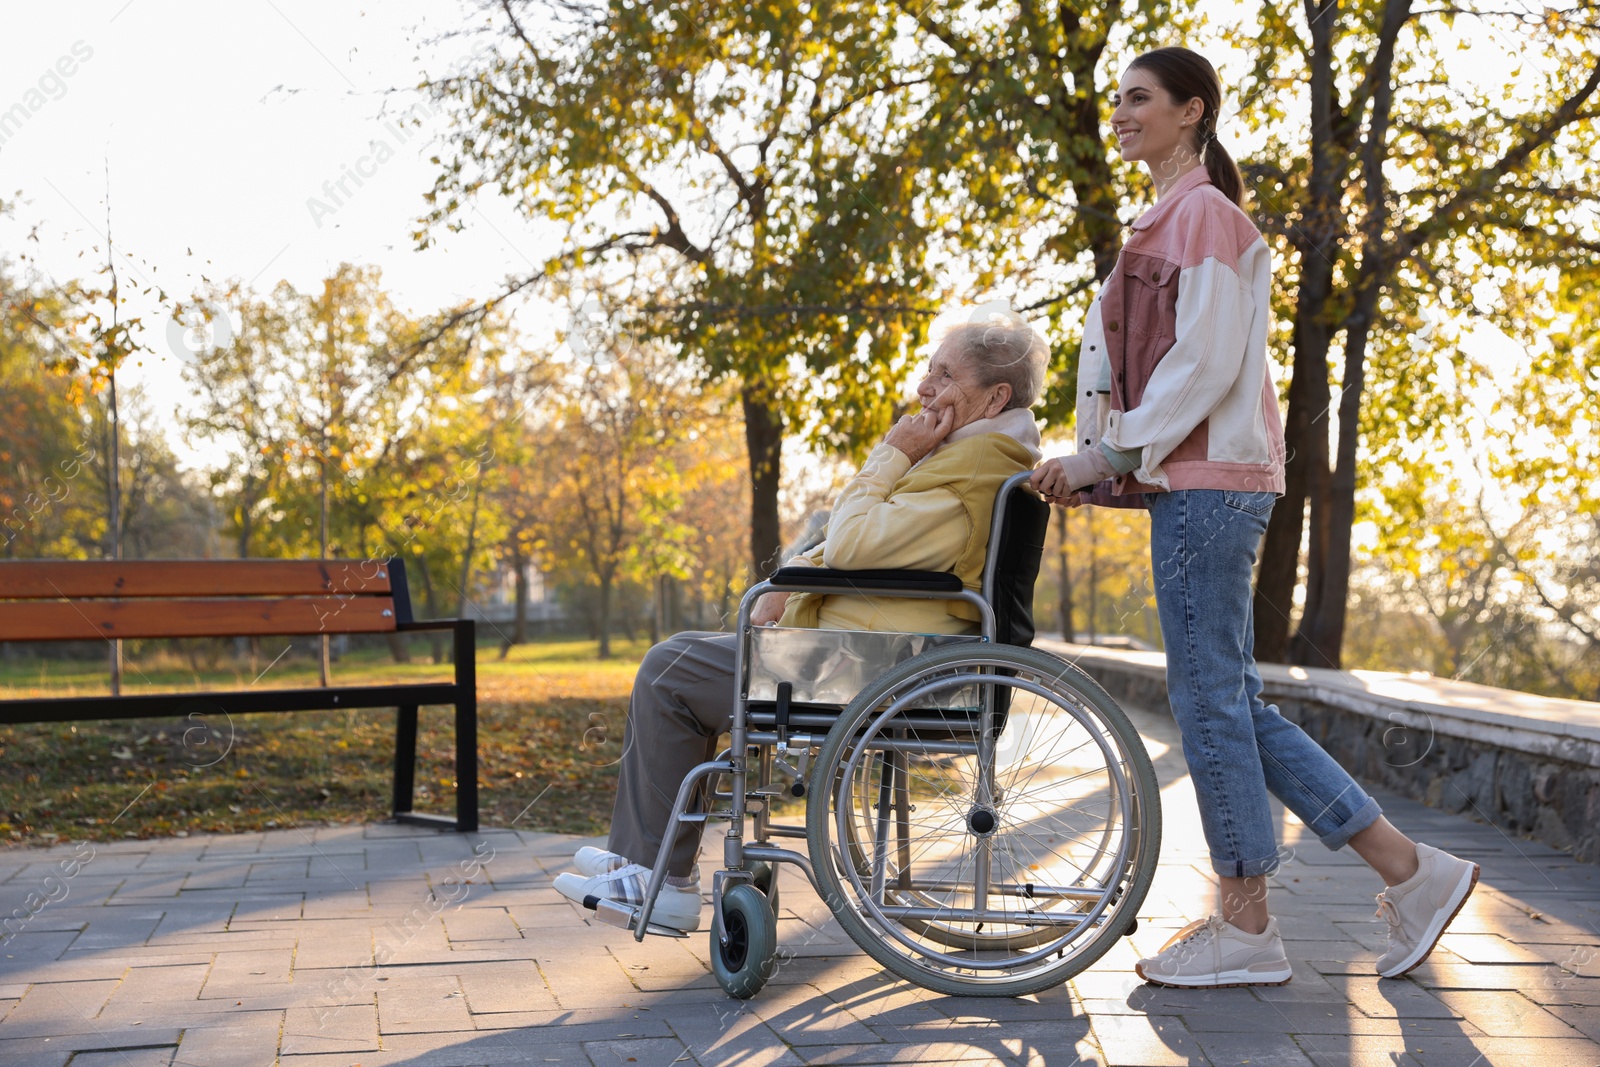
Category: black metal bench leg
[405,758]
[466,726]
[405,744]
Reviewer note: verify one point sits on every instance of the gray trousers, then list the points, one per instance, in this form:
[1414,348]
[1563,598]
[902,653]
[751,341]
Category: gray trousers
[682,702]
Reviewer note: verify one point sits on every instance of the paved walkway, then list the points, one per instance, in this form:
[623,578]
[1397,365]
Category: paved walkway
[264,948]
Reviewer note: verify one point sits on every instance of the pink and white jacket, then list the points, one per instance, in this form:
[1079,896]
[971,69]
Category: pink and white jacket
[1177,336]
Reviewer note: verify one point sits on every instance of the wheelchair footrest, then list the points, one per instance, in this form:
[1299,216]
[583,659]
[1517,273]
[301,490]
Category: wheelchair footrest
[626,917]
[751,808]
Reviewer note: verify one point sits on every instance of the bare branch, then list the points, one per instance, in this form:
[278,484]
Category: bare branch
[1487,179]
[516,28]
[674,236]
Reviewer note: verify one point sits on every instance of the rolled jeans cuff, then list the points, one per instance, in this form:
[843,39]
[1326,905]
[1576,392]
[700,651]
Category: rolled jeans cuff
[1364,817]
[1246,868]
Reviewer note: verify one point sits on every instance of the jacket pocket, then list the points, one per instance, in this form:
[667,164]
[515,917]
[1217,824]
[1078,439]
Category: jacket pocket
[1151,300]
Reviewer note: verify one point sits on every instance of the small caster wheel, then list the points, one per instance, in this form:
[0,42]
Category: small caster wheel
[744,964]
[1133,924]
[765,876]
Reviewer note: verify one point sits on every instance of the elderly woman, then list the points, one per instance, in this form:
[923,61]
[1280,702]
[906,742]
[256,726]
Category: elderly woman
[922,501]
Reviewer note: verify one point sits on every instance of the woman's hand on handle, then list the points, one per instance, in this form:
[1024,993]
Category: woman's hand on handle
[1063,479]
[1071,500]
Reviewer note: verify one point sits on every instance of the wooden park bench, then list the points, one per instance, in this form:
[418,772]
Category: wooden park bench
[72,600]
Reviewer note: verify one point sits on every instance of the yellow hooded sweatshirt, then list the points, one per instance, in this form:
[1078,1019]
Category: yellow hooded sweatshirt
[931,516]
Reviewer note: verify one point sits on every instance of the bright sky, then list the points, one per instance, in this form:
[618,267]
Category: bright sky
[218,123]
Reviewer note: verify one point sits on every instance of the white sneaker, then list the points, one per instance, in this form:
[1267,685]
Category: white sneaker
[1212,953]
[1420,908]
[677,908]
[591,861]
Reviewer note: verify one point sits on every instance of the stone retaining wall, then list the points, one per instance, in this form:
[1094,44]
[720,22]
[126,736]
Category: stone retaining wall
[1536,778]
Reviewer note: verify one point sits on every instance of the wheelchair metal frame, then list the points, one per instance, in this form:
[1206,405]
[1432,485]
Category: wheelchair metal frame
[736,763]
[895,727]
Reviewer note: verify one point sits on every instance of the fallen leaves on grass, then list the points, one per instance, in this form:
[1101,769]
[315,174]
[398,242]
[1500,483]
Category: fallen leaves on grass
[548,744]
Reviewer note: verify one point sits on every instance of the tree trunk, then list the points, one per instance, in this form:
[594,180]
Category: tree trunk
[397,648]
[431,599]
[1064,581]
[519,634]
[246,525]
[1305,433]
[1094,592]
[657,608]
[322,545]
[462,600]
[1320,639]
[1319,642]
[1318,484]
[605,616]
[472,546]
[763,437]
[1306,451]
[114,500]
[1078,120]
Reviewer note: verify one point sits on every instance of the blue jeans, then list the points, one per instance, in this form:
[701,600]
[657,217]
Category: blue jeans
[1203,546]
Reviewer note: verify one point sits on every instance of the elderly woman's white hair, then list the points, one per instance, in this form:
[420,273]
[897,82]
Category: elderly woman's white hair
[1002,348]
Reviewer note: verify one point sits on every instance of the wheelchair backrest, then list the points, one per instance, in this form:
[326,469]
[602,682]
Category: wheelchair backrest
[1016,548]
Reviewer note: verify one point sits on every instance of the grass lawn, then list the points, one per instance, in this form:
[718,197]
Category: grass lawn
[550,730]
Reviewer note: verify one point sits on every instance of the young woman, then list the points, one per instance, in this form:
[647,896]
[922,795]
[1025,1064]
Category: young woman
[1177,414]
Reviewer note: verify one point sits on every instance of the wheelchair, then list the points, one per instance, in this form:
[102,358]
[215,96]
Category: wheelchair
[980,816]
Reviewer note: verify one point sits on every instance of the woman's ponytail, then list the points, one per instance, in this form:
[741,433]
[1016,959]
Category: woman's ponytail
[1223,170]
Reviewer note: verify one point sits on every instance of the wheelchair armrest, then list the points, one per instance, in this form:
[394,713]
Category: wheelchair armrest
[828,579]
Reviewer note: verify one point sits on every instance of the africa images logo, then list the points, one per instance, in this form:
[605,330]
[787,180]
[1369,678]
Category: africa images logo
[337,191]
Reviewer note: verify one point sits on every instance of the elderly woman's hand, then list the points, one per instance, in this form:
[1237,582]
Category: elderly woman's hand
[768,609]
[917,435]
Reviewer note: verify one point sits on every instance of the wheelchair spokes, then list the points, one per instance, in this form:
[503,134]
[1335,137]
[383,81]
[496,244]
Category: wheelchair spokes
[985,855]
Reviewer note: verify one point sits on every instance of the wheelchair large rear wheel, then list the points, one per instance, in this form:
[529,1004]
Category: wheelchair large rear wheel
[984,852]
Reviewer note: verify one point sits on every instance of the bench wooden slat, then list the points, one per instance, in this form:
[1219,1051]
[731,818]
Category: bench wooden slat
[87,620]
[47,579]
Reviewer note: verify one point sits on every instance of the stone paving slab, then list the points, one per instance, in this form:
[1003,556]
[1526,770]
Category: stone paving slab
[394,946]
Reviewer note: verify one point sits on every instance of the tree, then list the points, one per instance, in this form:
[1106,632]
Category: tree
[1110,592]
[773,189]
[164,511]
[520,502]
[716,500]
[616,480]
[1547,452]
[46,507]
[519,493]
[1474,555]
[1443,594]
[99,337]
[240,394]
[1414,184]
[354,428]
